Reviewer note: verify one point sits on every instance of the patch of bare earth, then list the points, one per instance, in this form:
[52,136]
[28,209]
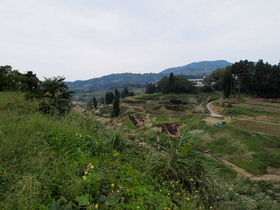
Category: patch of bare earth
[218,110]
[171,129]
[137,120]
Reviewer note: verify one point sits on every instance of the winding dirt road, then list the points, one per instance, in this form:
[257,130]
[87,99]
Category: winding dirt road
[214,114]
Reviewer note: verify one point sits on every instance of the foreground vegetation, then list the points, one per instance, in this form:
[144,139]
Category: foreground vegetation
[75,162]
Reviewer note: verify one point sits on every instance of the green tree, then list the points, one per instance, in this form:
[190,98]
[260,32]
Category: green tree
[180,84]
[94,102]
[228,82]
[55,96]
[102,100]
[109,97]
[31,81]
[241,71]
[125,93]
[150,88]
[117,94]
[215,79]
[116,104]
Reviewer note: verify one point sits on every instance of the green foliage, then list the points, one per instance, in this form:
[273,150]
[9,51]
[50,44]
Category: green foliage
[75,162]
[261,79]
[215,79]
[92,104]
[109,97]
[116,104]
[150,88]
[55,96]
[176,84]
[13,80]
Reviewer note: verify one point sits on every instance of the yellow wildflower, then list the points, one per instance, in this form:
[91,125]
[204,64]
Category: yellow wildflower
[191,180]
[96,206]
[188,199]
[138,207]
[86,172]
[112,185]
[91,167]
[211,207]
[84,177]
[118,191]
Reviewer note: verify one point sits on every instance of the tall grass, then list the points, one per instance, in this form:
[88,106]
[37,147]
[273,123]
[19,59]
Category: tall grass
[74,162]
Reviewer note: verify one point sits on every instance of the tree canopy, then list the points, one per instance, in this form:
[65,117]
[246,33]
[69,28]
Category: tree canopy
[176,84]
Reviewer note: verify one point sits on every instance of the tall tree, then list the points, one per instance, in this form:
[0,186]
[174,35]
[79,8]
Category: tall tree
[109,97]
[116,104]
[242,73]
[94,102]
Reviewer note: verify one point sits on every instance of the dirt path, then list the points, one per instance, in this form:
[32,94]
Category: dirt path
[241,171]
[214,114]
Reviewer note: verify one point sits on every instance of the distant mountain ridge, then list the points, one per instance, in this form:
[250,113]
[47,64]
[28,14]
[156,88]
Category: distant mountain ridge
[202,67]
[112,81]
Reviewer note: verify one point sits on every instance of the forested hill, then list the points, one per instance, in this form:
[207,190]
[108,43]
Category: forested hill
[202,67]
[112,81]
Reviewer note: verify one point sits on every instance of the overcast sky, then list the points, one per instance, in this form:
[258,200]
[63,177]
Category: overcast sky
[83,39]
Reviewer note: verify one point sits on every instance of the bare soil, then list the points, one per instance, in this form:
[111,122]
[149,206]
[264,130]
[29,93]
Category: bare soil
[171,129]
[137,120]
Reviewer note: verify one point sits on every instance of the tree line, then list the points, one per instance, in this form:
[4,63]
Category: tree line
[257,79]
[54,95]
[171,84]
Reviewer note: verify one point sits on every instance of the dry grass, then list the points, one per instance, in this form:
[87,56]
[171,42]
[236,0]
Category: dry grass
[259,127]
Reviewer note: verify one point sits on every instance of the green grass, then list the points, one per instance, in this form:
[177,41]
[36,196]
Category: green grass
[236,111]
[58,163]
[162,119]
[252,151]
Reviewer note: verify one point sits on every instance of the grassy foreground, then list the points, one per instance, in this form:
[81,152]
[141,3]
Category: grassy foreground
[76,163]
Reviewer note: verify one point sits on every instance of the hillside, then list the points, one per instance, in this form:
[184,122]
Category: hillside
[112,81]
[84,161]
[198,68]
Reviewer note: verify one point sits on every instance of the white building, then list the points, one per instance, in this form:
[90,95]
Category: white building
[198,82]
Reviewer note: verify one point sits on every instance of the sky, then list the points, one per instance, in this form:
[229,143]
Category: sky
[84,39]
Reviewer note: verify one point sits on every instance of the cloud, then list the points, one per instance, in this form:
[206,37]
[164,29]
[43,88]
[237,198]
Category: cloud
[91,38]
